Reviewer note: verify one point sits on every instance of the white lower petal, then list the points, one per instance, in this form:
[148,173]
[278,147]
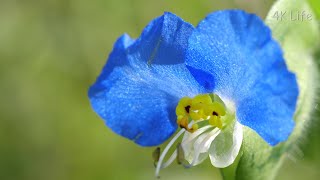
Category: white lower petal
[196,145]
[202,145]
[226,146]
[189,140]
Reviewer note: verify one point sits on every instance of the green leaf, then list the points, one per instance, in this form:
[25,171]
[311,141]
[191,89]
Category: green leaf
[299,40]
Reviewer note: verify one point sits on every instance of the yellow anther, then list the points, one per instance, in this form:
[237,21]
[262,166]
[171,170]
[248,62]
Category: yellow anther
[202,98]
[196,115]
[215,109]
[185,101]
[183,122]
[195,127]
[215,121]
[179,118]
[183,106]
[180,111]
[198,106]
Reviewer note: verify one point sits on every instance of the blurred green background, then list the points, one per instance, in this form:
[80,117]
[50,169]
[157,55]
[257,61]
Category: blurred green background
[50,52]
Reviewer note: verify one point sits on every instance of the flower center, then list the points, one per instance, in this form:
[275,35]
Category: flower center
[196,116]
[202,107]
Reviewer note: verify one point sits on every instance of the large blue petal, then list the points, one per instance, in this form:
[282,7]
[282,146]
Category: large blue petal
[138,89]
[245,65]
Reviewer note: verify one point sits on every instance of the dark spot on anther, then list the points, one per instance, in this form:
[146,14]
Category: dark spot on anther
[215,113]
[187,108]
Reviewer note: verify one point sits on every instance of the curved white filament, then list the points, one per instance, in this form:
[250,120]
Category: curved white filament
[165,151]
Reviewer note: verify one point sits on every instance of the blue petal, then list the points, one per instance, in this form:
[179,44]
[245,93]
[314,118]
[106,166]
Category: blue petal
[138,89]
[246,66]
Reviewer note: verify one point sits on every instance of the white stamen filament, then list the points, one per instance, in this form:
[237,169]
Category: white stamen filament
[174,154]
[166,149]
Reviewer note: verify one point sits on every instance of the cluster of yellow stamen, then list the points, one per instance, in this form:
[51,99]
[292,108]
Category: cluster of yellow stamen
[201,107]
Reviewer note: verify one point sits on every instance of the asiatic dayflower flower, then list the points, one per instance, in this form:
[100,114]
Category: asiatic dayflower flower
[209,80]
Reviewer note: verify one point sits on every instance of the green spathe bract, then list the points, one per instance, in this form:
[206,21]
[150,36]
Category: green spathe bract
[299,40]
